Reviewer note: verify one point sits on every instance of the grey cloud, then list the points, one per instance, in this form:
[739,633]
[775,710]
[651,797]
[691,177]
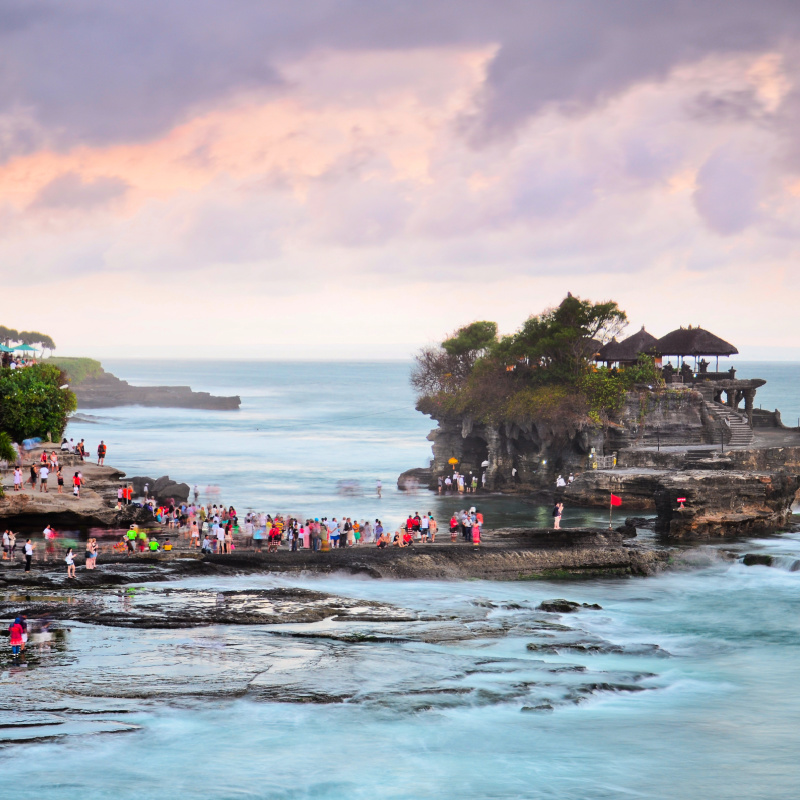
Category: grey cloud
[735,106]
[92,71]
[70,191]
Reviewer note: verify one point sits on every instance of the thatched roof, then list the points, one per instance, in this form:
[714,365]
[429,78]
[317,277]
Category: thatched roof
[628,349]
[693,342]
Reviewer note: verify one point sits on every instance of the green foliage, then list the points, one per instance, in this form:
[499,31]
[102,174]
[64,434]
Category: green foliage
[472,339]
[7,451]
[605,389]
[560,342]
[31,402]
[544,372]
[77,369]
[8,335]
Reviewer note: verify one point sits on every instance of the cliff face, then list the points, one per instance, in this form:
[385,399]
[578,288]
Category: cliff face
[107,391]
[535,451]
[541,451]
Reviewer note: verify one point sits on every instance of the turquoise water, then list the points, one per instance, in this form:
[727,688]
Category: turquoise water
[682,686]
[712,713]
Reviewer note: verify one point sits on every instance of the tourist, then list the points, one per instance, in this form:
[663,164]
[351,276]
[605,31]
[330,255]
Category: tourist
[70,562]
[424,527]
[466,526]
[558,509]
[440,484]
[17,479]
[34,476]
[28,550]
[453,527]
[90,554]
[206,548]
[333,533]
[379,488]
[195,534]
[432,527]
[6,545]
[560,482]
[474,484]
[44,473]
[383,539]
[130,539]
[60,480]
[15,637]
[81,449]
[476,534]
[571,478]
[76,486]
[366,532]
[153,545]
[448,484]
[347,530]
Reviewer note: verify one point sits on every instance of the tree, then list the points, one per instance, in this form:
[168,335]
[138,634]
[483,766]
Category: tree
[8,335]
[561,341]
[32,402]
[472,340]
[7,451]
[34,337]
[446,367]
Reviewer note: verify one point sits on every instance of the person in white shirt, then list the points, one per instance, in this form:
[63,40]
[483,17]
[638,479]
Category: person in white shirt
[560,482]
[43,473]
[424,525]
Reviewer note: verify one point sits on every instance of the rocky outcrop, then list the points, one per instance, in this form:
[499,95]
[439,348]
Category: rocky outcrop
[107,391]
[717,503]
[163,489]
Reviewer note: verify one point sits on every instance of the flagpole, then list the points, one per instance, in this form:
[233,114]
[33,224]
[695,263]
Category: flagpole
[610,508]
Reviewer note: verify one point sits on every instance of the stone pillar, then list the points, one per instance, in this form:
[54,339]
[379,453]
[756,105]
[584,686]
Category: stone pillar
[749,402]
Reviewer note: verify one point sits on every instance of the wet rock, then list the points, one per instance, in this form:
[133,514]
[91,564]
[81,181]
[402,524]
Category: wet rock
[627,531]
[757,559]
[564,606]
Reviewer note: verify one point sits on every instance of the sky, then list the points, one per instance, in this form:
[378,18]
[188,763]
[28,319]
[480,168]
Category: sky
[356,179]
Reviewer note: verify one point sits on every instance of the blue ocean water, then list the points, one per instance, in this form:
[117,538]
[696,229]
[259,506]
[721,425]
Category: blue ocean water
[711,714]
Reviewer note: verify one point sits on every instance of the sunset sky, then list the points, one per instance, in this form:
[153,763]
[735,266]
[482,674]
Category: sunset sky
[345,178]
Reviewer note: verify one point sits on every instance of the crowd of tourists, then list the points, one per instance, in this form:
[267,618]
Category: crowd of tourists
[460,483]
[219,529]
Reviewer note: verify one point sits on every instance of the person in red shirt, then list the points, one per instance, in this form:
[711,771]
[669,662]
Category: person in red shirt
[410,523]
[408,539]
[15,639]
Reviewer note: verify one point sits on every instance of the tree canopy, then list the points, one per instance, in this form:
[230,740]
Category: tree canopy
[8,335]
[545,367]
[32,402]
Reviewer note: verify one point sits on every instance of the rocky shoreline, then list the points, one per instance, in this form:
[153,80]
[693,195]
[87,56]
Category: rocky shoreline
[105,390]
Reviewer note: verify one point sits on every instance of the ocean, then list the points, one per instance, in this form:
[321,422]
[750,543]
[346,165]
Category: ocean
[681,686]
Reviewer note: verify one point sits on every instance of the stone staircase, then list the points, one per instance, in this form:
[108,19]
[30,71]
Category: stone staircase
[741,434]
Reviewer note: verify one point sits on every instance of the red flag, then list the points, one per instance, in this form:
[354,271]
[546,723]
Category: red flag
[616,501]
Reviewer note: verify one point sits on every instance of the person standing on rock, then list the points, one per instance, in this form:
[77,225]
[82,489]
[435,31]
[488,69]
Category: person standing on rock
[60,480]
[17,479]
[69,560]
[432,527]
[76,486]
[29,547]
[34,476]
[101,453]
[558,509]
[44,473]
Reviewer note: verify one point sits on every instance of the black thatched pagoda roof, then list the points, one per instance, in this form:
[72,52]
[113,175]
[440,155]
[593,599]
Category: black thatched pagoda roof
[628,349]
[693,342]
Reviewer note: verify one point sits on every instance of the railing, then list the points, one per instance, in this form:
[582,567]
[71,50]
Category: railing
[604,462]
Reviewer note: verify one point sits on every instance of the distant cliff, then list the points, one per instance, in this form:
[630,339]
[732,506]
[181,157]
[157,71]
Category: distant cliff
[96,388]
